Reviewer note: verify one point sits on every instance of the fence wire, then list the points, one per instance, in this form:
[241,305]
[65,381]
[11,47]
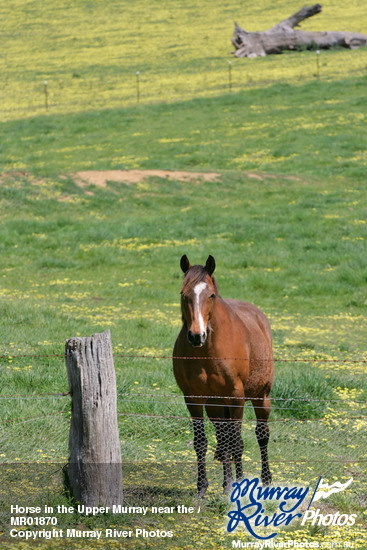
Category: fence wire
[158,449]
[309,437]
[167,84]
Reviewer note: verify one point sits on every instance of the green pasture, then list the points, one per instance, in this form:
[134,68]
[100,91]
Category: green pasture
[312,129]
[80,260]
[89,52]
[285,218]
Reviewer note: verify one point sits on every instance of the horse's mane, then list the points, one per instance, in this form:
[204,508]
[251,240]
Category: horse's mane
[195,275]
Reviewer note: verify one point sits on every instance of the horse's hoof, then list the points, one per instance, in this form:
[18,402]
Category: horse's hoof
[266,479]
[202,490]
[227,488]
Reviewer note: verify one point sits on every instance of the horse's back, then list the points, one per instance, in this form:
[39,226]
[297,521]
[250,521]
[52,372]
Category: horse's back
[251,316]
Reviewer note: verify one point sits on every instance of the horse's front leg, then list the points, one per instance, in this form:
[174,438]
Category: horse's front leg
[200,445]
[237,445]
[222,453]
[262,410]
[234,432]
[220,417]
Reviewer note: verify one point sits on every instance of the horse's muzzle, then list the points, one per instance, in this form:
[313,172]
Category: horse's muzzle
[196,339]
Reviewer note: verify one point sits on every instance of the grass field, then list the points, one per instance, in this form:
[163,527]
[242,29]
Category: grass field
[83,260]
[89,52]
[285,219]
[315,129]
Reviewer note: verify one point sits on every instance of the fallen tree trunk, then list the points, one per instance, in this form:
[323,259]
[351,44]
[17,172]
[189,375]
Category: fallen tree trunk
[283,36]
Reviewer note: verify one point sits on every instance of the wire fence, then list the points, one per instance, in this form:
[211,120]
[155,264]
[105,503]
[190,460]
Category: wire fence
[158,451]
[309,436]
[320,359]
[167,84]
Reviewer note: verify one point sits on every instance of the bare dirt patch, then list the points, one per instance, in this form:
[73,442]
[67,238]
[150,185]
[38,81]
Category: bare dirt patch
[100,178]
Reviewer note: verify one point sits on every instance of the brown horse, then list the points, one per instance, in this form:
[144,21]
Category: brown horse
[222,357]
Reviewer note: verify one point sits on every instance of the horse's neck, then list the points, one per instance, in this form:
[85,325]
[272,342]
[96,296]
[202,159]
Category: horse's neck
[219,321]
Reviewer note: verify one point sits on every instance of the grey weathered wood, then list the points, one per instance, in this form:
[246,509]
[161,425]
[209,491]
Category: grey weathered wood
[94,469]
[283,36]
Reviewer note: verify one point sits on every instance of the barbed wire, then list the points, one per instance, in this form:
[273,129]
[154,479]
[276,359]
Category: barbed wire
[179,396]
[173,462]
[254,461]
[236,406]
[34,396]
[288,420]
[182,417]
[196,358]
[275,360]
[141,397]
[173,398]
[30,418]
[30,355]
[142,424]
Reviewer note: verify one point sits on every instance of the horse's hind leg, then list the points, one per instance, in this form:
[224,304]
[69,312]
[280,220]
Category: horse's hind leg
[200,445]
[262,411]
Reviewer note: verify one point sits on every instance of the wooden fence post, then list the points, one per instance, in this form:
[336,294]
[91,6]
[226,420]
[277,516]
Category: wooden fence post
[94,469]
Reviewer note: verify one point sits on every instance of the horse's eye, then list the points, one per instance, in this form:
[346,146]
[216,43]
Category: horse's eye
[212,296]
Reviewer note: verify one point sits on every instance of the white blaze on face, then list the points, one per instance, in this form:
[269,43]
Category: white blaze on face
[198,290]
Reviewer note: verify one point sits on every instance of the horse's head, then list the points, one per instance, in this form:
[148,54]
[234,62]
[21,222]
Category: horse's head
[198,294]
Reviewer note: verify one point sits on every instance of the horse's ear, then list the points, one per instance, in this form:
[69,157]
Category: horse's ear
[185,264]
[210,265]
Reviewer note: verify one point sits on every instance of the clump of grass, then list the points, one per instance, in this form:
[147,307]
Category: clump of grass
[302,391]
